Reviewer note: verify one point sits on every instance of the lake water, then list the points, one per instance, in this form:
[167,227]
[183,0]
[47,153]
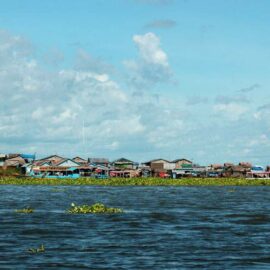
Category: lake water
[162,228]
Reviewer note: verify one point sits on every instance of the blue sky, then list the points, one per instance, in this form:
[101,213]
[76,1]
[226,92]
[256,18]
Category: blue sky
[136,78]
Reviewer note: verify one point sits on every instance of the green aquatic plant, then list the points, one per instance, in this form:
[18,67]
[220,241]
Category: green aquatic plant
[26,210]
[97,208]
[138,181]
[37,250]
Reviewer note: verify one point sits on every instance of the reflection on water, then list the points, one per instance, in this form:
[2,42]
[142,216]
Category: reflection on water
[162,228]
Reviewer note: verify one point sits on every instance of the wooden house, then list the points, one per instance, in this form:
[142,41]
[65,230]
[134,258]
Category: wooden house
[199,171]
[245,164]
[123,163]
[16,162]
[258,171]
[99,161]
[54,159]
[67,163]
[160,164]
[236,171]
[125,173]
[160,167]
[49,168]
[80,160]
[228,164]
[13,155]
[216,167]
[180,162]
[3,157]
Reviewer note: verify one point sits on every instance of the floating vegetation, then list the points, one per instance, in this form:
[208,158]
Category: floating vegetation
[150,181]
[37,250]
[26,210]
[97,208]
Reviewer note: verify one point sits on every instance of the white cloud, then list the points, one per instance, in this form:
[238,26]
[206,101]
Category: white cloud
[81,110]
[79,76]
[152,65]
[231,111]
[149,48]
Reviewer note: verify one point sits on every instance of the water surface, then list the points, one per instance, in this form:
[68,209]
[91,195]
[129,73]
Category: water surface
[162,228]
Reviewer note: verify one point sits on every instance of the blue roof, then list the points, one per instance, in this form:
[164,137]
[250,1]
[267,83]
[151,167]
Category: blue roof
[257,168]
[28,156]
[72,169]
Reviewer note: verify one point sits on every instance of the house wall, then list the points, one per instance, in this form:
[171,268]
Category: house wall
[157,166]
[169,166]
[123,166]
[162,164]
[179,163]
[17,161]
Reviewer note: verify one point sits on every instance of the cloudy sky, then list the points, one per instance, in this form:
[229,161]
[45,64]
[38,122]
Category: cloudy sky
[136,78]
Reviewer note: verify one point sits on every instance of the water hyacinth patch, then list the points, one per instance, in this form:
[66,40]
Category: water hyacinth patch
[97,208]
[37,250]
[26,210]
[150,181]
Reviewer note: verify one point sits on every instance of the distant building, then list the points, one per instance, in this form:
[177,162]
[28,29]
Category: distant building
[99,161]
[236,171]
[51,160]
[67,163]
[14,161]
[123,163]
[180,162]
[80,160]
[159,164]
[3,157]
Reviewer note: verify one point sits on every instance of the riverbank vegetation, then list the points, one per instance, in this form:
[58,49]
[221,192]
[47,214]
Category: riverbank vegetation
[151,181]
[9,172]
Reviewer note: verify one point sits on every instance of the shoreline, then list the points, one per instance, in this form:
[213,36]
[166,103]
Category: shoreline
[136,182]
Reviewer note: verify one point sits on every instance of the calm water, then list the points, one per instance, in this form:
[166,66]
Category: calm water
[163,228]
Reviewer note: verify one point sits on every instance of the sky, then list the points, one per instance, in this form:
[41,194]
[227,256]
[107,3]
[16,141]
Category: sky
[140,79]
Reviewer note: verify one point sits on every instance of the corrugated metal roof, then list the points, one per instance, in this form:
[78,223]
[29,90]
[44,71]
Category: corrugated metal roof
[98,160]
[123,160]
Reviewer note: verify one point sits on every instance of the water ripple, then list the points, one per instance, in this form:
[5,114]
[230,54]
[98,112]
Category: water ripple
[162,228]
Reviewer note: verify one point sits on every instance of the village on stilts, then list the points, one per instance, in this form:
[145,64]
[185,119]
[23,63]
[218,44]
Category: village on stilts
[57,167]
